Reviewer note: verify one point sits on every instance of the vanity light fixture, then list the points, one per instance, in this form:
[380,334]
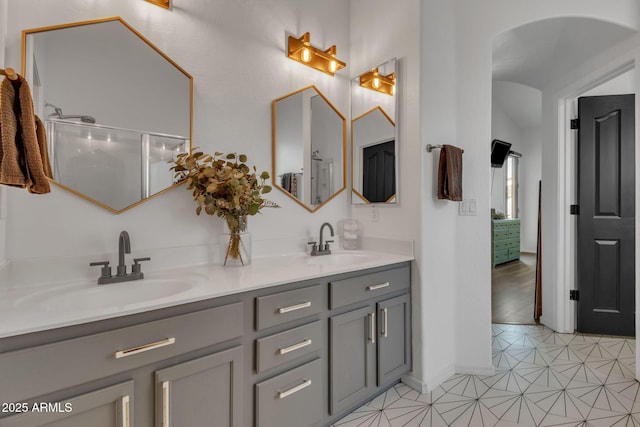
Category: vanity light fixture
[375,81]
[300,49]
[162,3]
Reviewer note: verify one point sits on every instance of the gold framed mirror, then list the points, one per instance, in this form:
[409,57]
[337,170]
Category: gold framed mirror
[309,147]
[116,108]
[374,135]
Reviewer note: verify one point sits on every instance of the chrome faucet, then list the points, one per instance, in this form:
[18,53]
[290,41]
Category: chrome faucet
[124,247]
[322,249]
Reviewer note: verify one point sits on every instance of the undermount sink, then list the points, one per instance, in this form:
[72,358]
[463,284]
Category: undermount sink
[339,258]
[83,295]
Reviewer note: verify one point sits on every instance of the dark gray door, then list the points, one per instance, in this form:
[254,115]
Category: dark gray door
[379,172]
[606,193]
[394,351]
[201,392]
[106,407]
[353,352]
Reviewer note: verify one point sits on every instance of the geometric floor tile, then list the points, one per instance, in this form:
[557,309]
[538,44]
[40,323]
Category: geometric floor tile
[541,378]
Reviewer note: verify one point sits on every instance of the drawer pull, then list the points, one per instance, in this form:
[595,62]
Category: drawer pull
[287,393]
[125,411]
[146,347]
[372,327]
[283,310]
[294,347]
[376,287]
[384,322]
[165,404]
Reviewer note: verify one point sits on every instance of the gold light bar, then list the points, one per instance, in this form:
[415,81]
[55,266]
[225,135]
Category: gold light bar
[375,81]
[323,60]
[162,3]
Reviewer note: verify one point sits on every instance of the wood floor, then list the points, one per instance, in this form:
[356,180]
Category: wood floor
[512,291]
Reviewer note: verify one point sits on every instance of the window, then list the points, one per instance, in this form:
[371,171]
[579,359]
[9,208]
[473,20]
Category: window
[511,184]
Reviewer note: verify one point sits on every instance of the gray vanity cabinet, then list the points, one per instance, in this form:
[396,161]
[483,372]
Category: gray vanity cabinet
[369,345]
[299,354]
[201,392]
[107,407]
[188,351]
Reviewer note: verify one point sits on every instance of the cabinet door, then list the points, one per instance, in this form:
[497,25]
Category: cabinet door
[353,344]
[107,407]
[201,392]
[394,343]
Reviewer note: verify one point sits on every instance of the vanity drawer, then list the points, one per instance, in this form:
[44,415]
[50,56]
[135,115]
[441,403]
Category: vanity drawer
[284,307]
[360,288]
[43,369]
[287,346]
[292,399]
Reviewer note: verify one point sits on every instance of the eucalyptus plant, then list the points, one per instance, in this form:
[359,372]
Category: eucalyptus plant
[225,186]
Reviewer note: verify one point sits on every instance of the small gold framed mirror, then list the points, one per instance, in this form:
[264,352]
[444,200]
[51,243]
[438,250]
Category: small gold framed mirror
[309,147]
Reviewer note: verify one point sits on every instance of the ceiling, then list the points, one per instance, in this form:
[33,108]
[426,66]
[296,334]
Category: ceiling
[536,53]
[527,58]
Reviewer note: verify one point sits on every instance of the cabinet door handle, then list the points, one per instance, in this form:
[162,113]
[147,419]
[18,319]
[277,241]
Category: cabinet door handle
[283,310]
[125,411]
[292,390]
[142,348]
[379,286]
[165,404]
[384,322]
[372,327]
[294,347]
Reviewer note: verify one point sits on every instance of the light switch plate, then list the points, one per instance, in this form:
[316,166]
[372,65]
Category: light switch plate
[468,207]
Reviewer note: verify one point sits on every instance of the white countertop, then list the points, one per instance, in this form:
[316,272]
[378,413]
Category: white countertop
[54,305]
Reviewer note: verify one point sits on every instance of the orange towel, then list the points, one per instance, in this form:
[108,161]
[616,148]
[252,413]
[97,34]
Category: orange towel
[24,160]
[450,173]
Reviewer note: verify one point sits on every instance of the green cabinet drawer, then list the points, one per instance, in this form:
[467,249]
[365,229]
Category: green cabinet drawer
[501,234]
[500,256]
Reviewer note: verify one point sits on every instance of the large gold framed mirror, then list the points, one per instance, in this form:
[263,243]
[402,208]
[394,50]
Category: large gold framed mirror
[117,109]
[309,147]
[374,135]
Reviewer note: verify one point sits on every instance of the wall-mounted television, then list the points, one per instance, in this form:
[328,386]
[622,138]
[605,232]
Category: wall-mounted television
[499,152]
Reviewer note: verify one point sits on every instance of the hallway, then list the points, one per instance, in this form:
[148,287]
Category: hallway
[512,291]
[542,379]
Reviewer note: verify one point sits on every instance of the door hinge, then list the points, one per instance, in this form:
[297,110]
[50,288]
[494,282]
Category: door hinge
[574,295]
[574,209]
[575,124]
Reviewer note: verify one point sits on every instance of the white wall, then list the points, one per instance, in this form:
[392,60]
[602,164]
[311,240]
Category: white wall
[530,176]
[235,51]
[469,86]
[432,303]
[520,125]
[504,129]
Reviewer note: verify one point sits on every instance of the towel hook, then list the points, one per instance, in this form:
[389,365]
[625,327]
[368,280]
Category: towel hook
[10,73]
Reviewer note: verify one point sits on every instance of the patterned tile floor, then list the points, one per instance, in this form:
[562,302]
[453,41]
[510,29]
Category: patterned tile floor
[542,379]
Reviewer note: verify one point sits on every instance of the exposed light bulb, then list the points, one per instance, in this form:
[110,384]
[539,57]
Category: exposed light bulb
[306,55]
[376,82]
[333,66]
[393,89]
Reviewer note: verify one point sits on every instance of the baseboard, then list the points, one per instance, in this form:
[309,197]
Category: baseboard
[432,382]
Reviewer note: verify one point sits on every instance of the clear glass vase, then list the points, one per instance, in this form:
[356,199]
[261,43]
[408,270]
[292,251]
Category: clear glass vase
[235,249]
